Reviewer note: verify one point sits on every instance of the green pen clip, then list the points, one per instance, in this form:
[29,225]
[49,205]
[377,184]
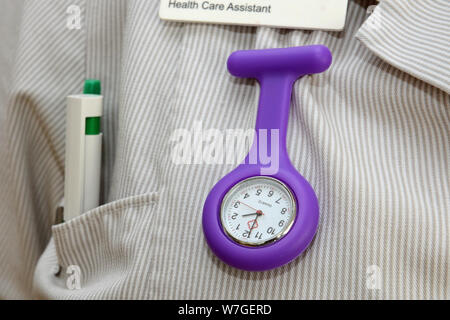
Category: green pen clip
[92,86]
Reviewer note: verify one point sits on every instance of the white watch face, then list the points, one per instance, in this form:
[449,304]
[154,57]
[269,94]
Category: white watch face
[257,211]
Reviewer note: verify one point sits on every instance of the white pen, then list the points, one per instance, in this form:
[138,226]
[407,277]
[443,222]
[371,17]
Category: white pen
[83,151]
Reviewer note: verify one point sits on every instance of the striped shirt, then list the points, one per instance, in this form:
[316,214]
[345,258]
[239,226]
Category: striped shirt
[370,135]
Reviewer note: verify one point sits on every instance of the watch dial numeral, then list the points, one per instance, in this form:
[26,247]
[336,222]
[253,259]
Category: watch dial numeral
[234,216]
[270,230]
[258,192]
[258,235]
[270,193]
[246,196]
[281,223]
[237,228]
[278,201]
[283,211]
[236,205]
[246,234]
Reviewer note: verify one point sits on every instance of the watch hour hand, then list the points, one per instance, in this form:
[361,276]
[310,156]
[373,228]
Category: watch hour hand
[258,213]
[249,214]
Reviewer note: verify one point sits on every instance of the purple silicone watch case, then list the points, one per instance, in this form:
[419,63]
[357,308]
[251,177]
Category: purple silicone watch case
[276,71]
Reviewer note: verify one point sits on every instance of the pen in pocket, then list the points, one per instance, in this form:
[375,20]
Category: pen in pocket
[83,150]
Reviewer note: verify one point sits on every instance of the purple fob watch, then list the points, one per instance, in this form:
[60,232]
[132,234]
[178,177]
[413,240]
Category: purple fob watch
[257,218]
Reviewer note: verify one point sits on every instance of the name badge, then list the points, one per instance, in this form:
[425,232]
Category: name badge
[292,14]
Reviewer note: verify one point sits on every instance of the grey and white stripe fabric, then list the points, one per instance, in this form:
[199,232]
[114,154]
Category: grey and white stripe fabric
[370,134]
[412,36]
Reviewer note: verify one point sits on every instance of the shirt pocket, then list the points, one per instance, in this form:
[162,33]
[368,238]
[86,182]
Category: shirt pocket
[101,248]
